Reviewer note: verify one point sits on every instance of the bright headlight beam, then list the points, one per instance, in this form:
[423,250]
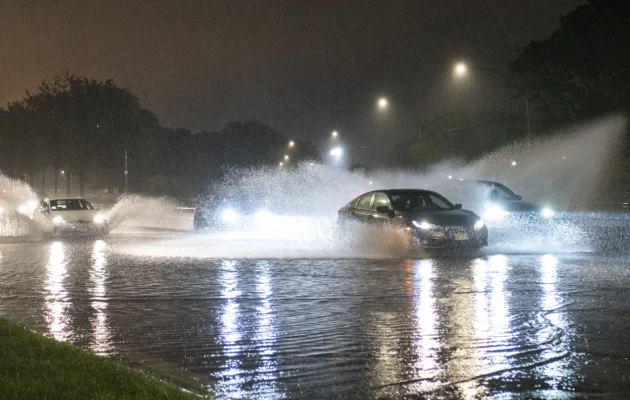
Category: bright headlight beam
[494,213]
[99,219]
[229,215]
[547,212]
[479,224]
[58,220]
[424,225]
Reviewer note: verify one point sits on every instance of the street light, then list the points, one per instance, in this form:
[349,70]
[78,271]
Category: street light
[334,134]
[281,163]
[461,70]
[514,163]
[291,144]
[286,157]
[382,103]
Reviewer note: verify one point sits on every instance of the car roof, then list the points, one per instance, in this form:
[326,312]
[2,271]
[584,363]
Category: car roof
[390,191]
[67,198]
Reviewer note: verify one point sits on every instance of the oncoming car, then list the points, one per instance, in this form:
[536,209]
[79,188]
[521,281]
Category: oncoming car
[495,202]
[73,215]
[428,216]
[219,212]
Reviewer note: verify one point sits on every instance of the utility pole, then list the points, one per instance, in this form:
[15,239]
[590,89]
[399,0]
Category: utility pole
[126,171]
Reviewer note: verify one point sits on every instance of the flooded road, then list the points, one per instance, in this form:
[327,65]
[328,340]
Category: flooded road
[492,324]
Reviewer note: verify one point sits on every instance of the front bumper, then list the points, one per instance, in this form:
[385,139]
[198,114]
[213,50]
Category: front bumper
[81,228]
[451,237]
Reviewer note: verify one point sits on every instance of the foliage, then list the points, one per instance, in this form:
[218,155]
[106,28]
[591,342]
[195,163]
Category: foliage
[583,69]
[35,367]
[85,126]
[461,135]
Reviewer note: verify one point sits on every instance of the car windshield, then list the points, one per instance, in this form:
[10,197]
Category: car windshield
[498,191]
[70,205]
[419,201]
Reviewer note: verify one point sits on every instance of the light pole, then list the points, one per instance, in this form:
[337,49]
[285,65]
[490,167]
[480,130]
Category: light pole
[460,70]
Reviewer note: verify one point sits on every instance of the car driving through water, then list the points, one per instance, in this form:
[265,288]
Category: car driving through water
[431,219]
[215,212]
[495,202]
[73,215]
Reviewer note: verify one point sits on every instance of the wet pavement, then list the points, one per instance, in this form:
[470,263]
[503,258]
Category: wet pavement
[509,325]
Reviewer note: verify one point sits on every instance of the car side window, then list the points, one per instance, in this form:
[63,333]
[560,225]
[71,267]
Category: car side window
[364,201]
[380,200]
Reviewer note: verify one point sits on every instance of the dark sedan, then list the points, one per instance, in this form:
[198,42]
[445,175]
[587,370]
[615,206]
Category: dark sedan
[428,216]
[495,201]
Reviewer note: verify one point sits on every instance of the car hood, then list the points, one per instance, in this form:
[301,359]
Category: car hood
[519,206]
[75,216]
[442,218]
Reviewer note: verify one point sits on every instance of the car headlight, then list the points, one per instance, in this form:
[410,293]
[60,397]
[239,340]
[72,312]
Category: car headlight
[99,219]
[547,212]
[479,224]
[229,215]
[23,209]
[262,216]
[495,213]
[58,220]
[424,225]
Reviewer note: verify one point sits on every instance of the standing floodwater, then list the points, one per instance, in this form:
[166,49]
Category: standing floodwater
[537,325]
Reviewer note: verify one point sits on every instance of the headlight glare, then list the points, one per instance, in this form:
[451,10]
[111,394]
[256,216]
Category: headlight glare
[424,225]
[229,215]
[479,224]
[58,220]
[547,212]
[494,213]
[99,219]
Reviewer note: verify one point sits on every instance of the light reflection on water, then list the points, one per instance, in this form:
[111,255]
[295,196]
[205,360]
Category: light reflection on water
[290,328]
[57,300]
[101,340]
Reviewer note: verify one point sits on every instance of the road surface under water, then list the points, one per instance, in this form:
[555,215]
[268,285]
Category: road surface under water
[551,325]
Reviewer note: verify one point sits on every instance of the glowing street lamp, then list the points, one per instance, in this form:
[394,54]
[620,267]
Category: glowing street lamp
[514,163]
[460,70]
[334,134]
[286,157]
[382,103]
[281,163]
[291,144]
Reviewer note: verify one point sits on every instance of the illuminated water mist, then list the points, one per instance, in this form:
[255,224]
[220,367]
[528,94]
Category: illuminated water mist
[554,171]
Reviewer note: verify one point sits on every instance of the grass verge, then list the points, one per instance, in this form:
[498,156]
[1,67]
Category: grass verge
[35,367]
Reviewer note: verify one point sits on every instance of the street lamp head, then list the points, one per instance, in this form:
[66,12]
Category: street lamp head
[514,163]
[286,156]
[334,134]
[281,163]
[460,70]
[383,103]
[291,144]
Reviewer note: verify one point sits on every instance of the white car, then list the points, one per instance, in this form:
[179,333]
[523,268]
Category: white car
[73,215]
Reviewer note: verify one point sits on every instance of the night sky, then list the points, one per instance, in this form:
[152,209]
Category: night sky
[303,67]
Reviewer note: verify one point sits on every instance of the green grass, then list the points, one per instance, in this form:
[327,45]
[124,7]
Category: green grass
[35,367]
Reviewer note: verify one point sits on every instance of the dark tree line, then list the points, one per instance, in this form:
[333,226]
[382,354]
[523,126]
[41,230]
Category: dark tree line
[83,127]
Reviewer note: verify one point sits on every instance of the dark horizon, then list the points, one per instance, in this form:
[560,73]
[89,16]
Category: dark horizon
[303,69]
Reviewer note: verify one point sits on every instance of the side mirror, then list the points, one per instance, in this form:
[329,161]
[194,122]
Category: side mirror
[519,197]
[458,206]
[385,210]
